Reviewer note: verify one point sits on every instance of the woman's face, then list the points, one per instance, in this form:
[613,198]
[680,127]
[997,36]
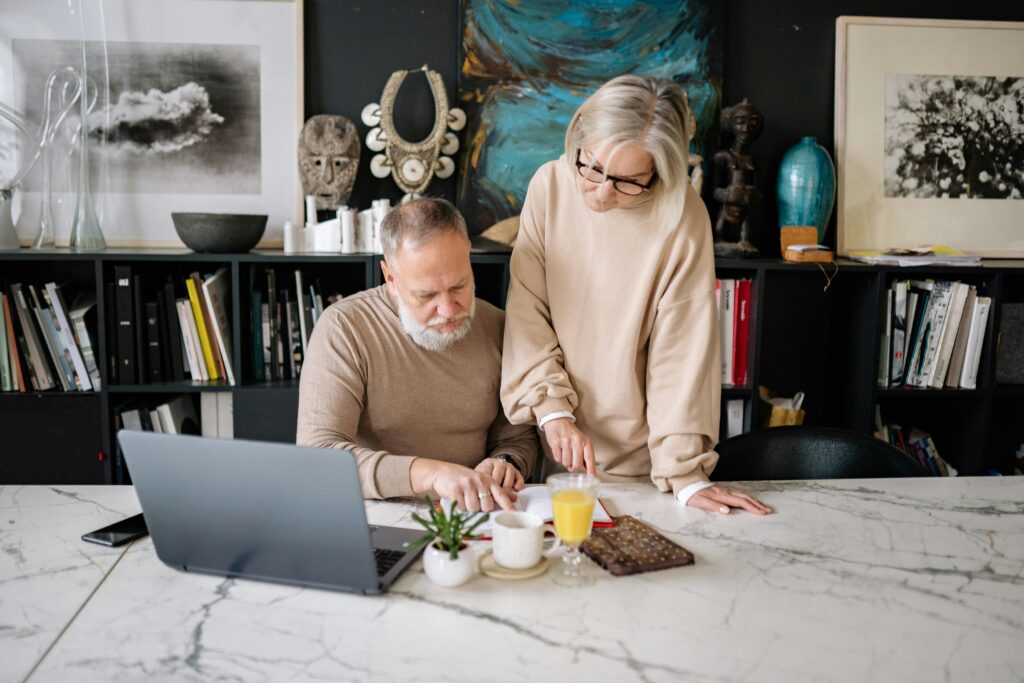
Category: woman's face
[631,162]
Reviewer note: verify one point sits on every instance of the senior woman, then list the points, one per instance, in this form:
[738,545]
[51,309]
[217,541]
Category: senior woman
[611,333]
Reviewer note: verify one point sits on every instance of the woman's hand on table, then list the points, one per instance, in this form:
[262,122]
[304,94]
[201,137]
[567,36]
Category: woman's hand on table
[722,499]
[569,446]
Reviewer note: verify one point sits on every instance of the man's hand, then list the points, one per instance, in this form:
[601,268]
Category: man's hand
[469,489]
[503,473]
[569,446]
[722,498]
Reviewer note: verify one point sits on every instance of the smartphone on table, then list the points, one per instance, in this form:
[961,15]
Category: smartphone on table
[119,533]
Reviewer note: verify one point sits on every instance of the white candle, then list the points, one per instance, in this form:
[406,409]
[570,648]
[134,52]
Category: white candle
[347,217]
[293,238]
[310,210]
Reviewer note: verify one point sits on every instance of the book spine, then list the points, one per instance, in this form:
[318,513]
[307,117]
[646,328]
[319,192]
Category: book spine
[153,343]
[54,339]
[208,414]
[956,361]
[55,346]
[164,339]
[727,322]
[215,292]
[958,296]
[295,339]
[88,354]
[742,332]
[39,373]
[17,376]
[885,343]
[191,356]
[256,325]
[125,325]
[899,332]
[286,333]
[174,334]
[211,326]
[941,296]
[265,326]
[139,316]
[907,336]
[5,361]
[273,338]
[300,298]
[225,415]
[59,307]
[204,339]
[975,339]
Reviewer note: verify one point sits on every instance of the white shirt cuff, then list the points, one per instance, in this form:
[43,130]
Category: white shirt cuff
[687,492]
[554,416]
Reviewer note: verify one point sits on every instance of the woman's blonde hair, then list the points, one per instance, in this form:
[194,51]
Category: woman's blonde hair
[647,112]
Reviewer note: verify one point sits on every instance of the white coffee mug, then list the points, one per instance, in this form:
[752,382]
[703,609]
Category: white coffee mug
[519,539]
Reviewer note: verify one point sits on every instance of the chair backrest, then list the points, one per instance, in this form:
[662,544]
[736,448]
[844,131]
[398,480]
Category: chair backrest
[810,453]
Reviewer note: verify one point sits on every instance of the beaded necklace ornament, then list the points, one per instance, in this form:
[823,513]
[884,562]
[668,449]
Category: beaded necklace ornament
[412,164]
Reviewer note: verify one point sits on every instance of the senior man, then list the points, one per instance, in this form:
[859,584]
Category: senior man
[406,375]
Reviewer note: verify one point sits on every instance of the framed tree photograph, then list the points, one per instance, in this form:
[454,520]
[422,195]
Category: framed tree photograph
[929,126]
[194,106]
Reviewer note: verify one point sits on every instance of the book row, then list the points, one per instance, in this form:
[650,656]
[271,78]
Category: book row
[168,337]
[44,343]
[733,300]
[916,443]
[178,415]
[283,316]
[933,335]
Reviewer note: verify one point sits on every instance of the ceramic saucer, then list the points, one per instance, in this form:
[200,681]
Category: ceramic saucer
[489,566]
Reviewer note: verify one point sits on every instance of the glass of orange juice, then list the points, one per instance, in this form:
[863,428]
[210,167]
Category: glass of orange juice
[573,497]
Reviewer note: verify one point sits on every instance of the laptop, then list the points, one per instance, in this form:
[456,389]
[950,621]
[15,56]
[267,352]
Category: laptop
[265,511]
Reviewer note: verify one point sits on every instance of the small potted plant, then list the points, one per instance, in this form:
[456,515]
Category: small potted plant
[447,533]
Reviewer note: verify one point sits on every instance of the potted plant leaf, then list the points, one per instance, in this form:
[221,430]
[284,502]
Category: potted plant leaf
[447,533]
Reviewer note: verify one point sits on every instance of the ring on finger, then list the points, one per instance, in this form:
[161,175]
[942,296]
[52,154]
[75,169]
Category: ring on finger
[483,495]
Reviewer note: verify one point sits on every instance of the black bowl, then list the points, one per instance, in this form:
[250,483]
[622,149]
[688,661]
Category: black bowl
[219,233]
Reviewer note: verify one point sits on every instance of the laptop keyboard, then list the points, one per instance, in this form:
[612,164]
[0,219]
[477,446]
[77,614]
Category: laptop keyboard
[386,559]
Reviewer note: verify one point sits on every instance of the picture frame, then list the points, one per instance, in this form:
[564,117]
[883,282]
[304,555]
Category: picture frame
[906,179]
[236,67]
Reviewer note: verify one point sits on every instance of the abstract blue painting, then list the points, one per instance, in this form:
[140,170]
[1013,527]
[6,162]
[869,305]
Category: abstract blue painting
[527,66]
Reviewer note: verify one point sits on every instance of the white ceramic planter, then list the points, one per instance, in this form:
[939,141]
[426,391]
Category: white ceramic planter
[446,572]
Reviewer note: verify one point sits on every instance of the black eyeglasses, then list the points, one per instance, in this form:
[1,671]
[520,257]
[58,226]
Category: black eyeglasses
[627,187]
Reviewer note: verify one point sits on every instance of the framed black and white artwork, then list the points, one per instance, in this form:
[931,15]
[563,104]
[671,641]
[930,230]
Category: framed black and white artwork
[930,135]
[198,108]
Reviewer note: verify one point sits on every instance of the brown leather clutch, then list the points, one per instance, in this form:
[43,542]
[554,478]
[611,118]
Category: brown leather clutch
[632,547]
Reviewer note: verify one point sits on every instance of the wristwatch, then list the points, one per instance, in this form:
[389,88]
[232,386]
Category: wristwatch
[505,457]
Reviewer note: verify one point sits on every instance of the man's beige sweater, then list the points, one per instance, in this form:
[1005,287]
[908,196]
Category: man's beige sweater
[368,388]
[614,319]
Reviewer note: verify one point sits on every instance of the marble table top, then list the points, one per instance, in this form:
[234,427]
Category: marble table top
[856,580]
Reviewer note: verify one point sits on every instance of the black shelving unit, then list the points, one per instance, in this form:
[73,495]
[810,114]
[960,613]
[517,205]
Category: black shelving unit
[976,430]
[804,336]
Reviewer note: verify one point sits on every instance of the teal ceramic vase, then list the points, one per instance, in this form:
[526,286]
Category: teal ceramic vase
[807,186]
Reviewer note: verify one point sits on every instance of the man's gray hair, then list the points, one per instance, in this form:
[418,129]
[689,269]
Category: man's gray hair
[419,221]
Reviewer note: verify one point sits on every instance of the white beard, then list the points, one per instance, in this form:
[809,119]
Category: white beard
[426,336]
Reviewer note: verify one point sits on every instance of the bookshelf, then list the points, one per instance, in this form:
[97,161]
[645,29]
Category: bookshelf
[976,430]
[802,337]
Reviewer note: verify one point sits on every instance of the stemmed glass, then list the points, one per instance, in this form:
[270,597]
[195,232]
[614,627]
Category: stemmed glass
[572,500]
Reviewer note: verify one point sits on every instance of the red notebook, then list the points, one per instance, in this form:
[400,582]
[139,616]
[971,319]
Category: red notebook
[741,326]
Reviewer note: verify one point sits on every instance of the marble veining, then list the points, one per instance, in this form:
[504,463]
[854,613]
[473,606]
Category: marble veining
[869,580]
[46,571]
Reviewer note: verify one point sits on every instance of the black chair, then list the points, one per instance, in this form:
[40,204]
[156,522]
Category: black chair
[810,453]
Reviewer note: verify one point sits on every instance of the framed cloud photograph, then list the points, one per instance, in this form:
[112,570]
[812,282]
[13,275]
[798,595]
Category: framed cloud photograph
[198,108]
[929,126]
